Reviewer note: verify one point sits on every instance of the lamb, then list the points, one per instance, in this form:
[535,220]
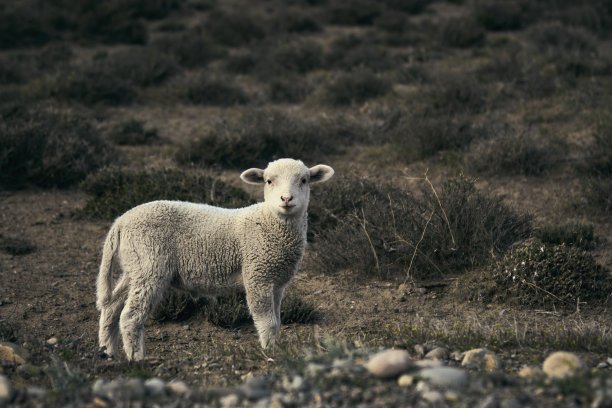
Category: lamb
[207,251]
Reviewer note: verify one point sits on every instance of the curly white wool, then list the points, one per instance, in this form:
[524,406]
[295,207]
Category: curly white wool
[207,250]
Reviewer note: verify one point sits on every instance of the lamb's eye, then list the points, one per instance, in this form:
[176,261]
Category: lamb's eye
[303,181]
[269,181]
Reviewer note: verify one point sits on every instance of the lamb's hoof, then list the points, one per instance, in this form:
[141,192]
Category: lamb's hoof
[102,354]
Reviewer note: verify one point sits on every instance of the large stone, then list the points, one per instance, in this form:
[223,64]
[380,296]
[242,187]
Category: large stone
[447,377]
[562,364]
[389,363]
[481,359]
[6,390]
[438,353]
[12,353]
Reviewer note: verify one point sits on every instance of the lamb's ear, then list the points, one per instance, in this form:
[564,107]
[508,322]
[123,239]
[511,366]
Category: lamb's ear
[320,173]
[253,176]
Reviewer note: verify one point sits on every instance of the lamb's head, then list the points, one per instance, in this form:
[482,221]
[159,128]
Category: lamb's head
[287,184]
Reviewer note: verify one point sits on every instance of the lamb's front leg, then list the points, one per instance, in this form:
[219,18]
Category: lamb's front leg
[260,299]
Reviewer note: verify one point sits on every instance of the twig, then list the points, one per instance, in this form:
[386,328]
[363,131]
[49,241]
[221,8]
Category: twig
[450,231]
[417,246]
[363,225]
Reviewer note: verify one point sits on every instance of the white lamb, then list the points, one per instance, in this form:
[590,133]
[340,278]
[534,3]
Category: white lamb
[208,251]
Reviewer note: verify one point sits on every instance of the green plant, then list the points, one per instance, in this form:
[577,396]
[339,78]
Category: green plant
[48,148]
[535,274]
[115,190]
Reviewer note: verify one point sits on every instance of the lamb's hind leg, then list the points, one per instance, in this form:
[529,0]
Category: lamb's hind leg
[143,295]
[108,335]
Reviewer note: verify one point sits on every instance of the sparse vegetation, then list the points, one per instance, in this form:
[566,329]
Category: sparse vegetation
[115,190]
[132,132]
[356,87]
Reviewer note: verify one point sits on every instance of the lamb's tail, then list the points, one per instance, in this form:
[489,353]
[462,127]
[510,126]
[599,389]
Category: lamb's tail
[105,277]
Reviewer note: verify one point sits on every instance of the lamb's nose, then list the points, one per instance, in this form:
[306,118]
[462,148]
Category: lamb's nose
[286,199]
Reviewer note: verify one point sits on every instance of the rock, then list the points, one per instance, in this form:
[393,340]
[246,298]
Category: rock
[178,387]
[135,388]
[481,359]
[428,363]
[510,403]
[313,369]
[433,397]
[457,355]
[405,380]
[231,400]
[36,393]
[602,365]
[527,371]
[52,341]
[419,350]
[6,390]
[562,364]
[12,353]
[503,312]
[28,370]
[438,353]
[98,386]
[389,363]
[488,402]
[609,361]
[155,387]
[256,388]
[447,377]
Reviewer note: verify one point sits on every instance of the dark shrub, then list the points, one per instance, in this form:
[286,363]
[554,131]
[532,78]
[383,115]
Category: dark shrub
[141,66]
[116,190]
[370,56]
[288,20]
[260,136]
[554,35]
[599,166]
[233,28]
[502,15]
[16,69]
[296,55]
[132,132]
[288,89]
[215,91]
[458,93]
[16,246]
[352,12]
[48,148]
[572,234]
[374,228]
[461,32]
[356,87]
[513,152]
[553,277]
[111,23]
[415,138]
[243,63]
[191,49]
[407,6]
[26,24]
[54,55]
[92,86]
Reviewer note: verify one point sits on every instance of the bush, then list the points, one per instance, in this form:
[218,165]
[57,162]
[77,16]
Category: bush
[356,87]
[235,28]
[92,86]
[554,35]
[572,234]
[111,22]
[140,66]
[215,91]
[598,189]
[416,138]
[48,148]
[496,15]
[115,190]
[132,132]
[191,49]
[553,277]
[456,93]
[513,152]
[461,32]
[260,136]
[352,12]
[407,6]
[374,228]
[292,89]
[359,56]
[297,56]
[27,24]
[288,20]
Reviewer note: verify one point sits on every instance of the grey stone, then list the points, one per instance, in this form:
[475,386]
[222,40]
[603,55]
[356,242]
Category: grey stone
[448,377]
[488,402]
[135,388]
[98,386]
[231,400]
[256,388]
[178,387]
[419,350]
[438,353]
[35,392]
[6,390]
[389,363]
[481,359]
[609,361]
[12,353]
[155,387]
[562,364]
[510,403]
[433,397]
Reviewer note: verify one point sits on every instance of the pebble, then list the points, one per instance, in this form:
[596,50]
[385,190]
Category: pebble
[528,371]
[433,397]
[178,387]
[6,390]
[488,402]
[256,388]
[35,392]
[428,363]
[231,400]
[389,363]
[562,364]
[405,380]
[12,353]
[419,350]
[52,341]
[609,361]
[481,359]
[135,388]
[448,377]
[155,387]
[438,353]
